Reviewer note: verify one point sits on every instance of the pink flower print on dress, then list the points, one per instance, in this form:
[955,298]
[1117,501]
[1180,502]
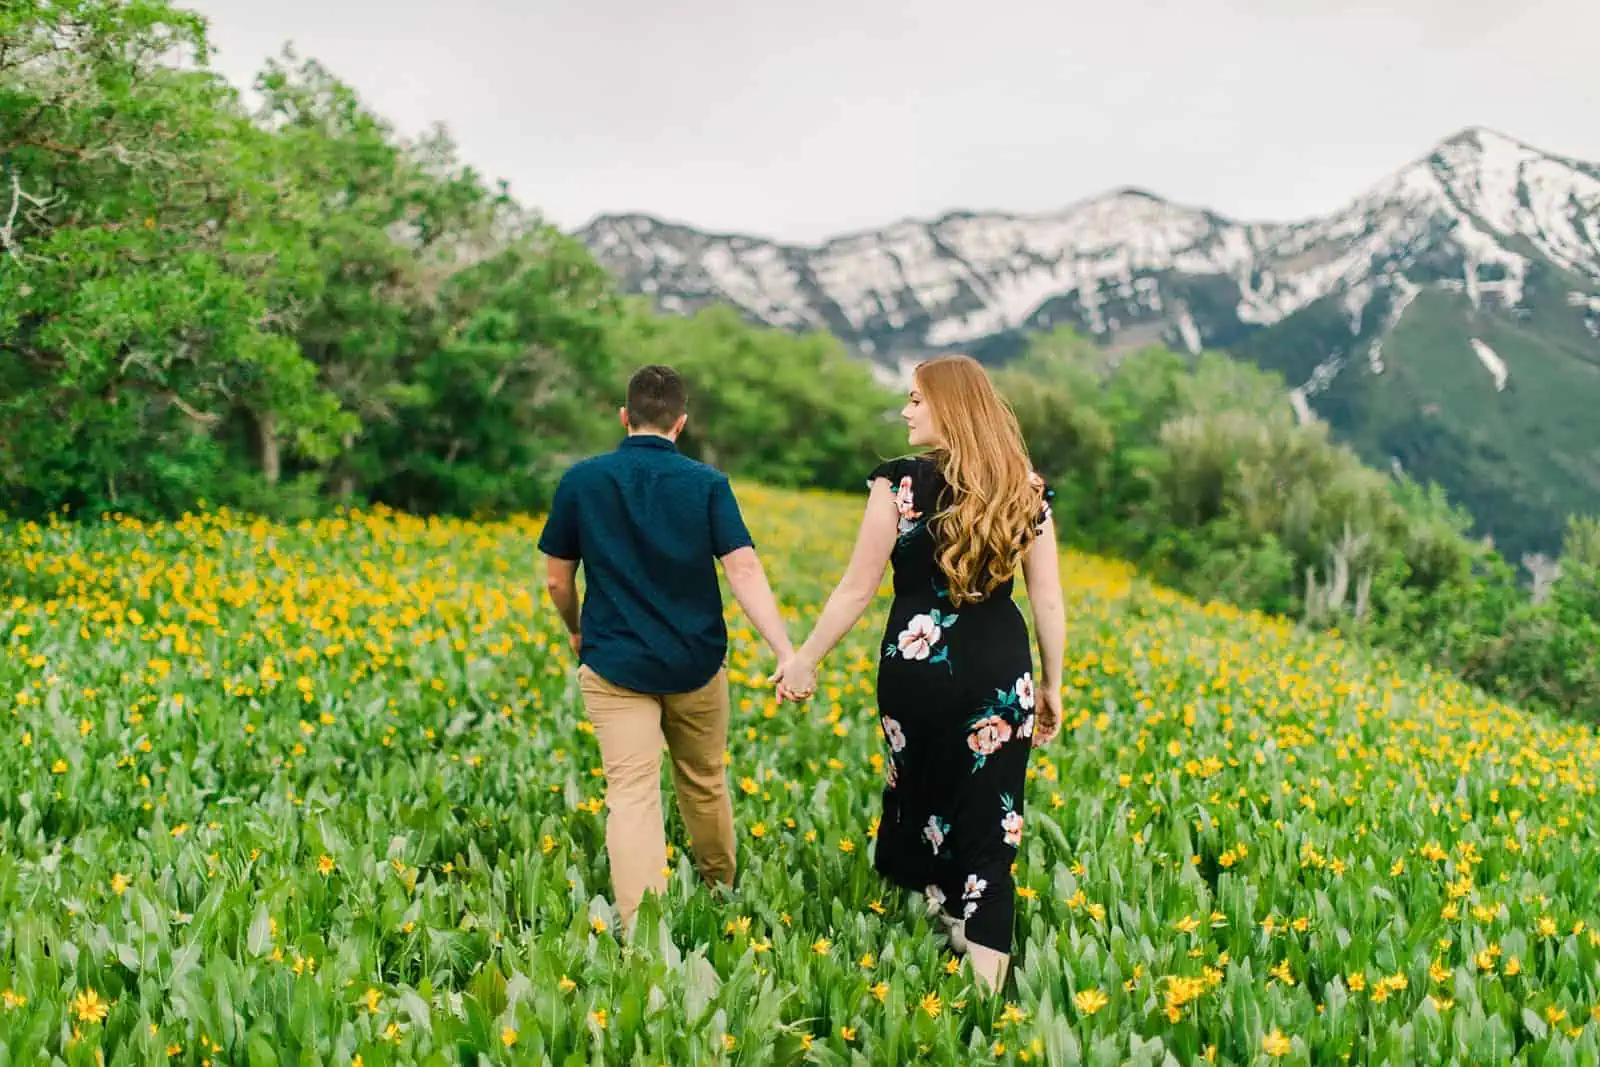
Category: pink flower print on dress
[1010,821]
[893,734]
[988,735]
[905,502]
[916,641]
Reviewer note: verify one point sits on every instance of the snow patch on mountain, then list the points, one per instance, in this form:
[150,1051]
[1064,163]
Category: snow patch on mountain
[1323,375]
[1495,365]
[1302,408]
[1189,332]
[1404,293]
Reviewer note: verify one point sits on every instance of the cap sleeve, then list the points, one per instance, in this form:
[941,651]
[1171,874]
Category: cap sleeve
[1046,495]
[892,469]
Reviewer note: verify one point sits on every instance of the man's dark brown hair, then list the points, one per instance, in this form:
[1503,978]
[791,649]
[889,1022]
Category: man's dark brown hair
[656,398]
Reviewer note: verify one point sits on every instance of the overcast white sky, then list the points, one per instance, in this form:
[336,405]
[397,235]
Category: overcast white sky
[803,120]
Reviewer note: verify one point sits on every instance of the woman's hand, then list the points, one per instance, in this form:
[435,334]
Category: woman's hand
[796,678]
[1046,716]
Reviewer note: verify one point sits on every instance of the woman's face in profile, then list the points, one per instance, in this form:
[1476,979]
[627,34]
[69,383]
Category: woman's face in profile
[919,420]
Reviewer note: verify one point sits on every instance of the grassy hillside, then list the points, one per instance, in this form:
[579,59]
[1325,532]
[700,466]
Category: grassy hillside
[323,794]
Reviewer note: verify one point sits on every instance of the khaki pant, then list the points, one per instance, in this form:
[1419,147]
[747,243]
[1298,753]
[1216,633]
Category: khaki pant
[631,728]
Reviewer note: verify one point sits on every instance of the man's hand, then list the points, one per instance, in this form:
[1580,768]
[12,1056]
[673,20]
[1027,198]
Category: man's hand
[576,641]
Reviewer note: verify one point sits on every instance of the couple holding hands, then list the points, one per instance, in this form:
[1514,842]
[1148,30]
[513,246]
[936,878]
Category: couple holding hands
[958,699]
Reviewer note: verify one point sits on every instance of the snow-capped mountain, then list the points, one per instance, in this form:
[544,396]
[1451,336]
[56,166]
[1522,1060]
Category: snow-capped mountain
[1125,261]
[1485,247]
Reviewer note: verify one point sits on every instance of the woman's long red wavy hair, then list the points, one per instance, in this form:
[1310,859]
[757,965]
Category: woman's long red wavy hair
[994,505]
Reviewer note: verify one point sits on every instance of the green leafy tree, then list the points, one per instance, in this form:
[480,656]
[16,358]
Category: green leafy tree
[520,384]
[146,255]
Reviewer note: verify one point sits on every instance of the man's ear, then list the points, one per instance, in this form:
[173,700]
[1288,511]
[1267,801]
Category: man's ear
[677,427]
[622,416]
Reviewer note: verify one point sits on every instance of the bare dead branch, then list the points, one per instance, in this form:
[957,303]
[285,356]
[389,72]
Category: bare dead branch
[8,234]
[8,239]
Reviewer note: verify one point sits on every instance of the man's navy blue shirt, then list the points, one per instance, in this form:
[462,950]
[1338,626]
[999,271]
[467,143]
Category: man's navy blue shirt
[648,525]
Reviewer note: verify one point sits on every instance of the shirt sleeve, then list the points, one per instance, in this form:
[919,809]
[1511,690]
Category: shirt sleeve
[560,537]
[728,531]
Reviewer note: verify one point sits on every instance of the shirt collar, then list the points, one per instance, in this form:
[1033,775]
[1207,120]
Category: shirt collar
[648,440]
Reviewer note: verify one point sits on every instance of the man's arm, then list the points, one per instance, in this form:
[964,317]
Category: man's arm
[748,580]
[731,543]
[561,579]
[562,544]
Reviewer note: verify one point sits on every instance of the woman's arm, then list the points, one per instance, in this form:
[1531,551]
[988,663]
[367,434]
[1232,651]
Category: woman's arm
[1041,571]
[874,544]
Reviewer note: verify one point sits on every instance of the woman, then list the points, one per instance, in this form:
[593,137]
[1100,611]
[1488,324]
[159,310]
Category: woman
[956,694]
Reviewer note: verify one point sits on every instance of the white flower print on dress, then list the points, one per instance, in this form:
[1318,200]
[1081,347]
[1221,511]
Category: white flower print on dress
[935,898]
[893,734]
[974,887]
[916,641]
[1025,727]
[1025,692]
[1010,821]
[892,775]
[969,911]
[934,832]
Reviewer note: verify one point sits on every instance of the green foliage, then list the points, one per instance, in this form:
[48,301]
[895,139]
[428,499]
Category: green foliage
[1198,471]
[147,256]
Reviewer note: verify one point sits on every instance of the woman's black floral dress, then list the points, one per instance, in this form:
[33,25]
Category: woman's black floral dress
[955,699]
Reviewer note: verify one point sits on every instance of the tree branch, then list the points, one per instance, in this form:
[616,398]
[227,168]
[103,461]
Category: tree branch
[8,239]
[49,146]
[204,418]
[8,235]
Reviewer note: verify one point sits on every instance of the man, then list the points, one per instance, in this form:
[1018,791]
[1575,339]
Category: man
[647,524]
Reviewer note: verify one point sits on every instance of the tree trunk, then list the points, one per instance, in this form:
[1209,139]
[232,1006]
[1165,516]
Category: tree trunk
[267,435]
[345,484]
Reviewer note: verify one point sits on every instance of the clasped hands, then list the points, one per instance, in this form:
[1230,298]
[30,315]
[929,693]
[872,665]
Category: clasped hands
[796,677]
